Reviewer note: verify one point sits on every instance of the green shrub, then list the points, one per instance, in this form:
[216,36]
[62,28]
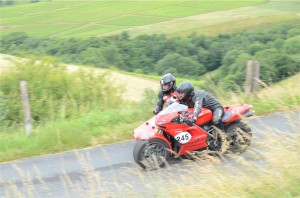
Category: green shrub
[54,92]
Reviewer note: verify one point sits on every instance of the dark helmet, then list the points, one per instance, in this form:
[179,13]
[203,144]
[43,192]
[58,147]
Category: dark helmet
[167,83]
[185,90]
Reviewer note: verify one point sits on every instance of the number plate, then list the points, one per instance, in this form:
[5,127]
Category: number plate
[183,137]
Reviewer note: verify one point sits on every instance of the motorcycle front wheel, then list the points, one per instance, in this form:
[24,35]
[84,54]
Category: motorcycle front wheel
[151,154]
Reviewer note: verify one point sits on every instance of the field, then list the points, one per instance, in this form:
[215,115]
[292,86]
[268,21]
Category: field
[90,18]
[181,17]
[214,23]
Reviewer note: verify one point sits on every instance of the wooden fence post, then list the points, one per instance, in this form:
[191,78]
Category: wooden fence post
[252,77]
[256,77]
[248,82]
[26,107]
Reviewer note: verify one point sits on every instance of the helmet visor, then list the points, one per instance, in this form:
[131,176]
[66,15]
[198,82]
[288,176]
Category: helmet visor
[166,87]
[181,95]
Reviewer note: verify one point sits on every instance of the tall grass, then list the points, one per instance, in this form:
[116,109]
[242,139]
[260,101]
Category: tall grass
[69,110]
[269,168]
[282,96]
[93,128]
[54,92]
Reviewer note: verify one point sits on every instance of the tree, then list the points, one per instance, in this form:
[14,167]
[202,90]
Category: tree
[203,57]
[9,2]
[293,32]
[292,46]
[93,56]
[184,66]
[112,56]
[216,51]
[255,47]
[16,38]
[270,60]
[231,56]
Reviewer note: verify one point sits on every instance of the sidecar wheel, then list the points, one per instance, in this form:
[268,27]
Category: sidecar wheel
[239,137]
[151,154]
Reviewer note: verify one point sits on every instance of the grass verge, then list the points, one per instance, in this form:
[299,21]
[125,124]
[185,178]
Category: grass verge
[265,170]
[95,128]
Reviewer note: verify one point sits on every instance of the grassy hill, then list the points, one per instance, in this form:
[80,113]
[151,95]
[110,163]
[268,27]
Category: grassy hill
[96,18]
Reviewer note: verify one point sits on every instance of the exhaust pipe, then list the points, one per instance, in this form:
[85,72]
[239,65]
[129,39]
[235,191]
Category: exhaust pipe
[249,113]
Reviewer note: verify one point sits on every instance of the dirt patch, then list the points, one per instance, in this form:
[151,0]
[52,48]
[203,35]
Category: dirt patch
[134,87]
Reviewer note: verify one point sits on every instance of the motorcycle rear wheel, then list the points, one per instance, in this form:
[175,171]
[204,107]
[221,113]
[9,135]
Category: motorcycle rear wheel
[239,137]
[151,154]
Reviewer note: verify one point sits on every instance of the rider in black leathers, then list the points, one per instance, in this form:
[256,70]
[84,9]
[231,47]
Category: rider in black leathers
[197,99]
[167,92]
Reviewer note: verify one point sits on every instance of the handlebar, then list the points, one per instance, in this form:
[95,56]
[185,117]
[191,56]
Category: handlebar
[183,119]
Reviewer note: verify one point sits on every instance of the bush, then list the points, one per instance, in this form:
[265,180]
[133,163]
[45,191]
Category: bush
[54,92]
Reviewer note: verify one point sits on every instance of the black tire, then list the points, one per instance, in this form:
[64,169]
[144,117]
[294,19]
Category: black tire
[151,154]
[239,137]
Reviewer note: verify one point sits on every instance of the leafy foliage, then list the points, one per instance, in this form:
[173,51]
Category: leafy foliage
[276,48]
[54,93]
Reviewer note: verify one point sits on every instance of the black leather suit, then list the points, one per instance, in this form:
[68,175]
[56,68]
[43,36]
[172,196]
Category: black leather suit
[200,99]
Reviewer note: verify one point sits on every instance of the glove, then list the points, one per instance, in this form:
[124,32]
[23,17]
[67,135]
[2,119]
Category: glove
[190,121]
[155,111]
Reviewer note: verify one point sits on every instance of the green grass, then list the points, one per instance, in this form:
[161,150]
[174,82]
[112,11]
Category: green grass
[267,171]
[113,125]
[225,21]
[242,24]
[282,96]
[198,7]
[133,20]
[94,128]
[117,15]
[43,29]
[90,31]
[289,6]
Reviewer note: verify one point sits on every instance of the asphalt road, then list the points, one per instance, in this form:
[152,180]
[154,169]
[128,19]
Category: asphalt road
[109,170]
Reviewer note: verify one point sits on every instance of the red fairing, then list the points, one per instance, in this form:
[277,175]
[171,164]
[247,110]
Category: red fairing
[237,111]
[148,130]
[204,116]
[198,136]
[197,141]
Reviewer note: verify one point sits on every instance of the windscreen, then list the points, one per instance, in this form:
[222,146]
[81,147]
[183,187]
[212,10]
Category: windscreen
[175,107]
